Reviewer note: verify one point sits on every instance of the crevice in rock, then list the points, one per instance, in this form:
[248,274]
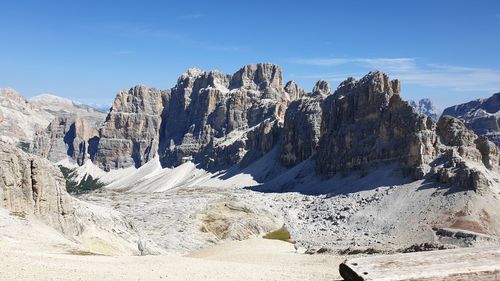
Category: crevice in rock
[34,186]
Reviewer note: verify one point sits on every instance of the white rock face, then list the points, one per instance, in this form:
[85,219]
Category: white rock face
[130,134]
[55,103]
[62,107]
[32,187]
[20,119]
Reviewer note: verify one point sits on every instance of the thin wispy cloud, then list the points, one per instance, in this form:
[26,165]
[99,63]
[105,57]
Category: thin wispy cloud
[458,78]
[386,63]
[190,17]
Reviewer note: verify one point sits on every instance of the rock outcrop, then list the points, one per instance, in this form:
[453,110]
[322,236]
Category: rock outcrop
[294,90]
[130,134]
[302,127]
[65,137]
[425,107]
[482,116]
[218,119]
[461,153]
[204,113]
[452,132]
[366,123]
[32,187]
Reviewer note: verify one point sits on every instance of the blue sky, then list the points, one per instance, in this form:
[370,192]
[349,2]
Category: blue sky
[448,51]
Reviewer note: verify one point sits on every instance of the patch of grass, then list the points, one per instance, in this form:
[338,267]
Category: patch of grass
[357,251]
[21,215]
[82,253]
[88,184]
[279,234]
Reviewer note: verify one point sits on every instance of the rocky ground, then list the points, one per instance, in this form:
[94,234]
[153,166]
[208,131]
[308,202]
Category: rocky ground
[386,218]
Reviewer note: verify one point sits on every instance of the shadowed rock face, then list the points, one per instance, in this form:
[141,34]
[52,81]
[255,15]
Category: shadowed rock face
[209,117]
[482,116]
[217,119]
[302,128]
[365,123]
[68,136]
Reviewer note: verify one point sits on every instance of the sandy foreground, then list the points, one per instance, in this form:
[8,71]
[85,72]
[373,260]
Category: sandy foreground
[255,259]
[31,251]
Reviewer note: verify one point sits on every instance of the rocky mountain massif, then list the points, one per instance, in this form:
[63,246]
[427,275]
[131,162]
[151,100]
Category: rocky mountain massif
[481,116]
[218,121]
[349,154]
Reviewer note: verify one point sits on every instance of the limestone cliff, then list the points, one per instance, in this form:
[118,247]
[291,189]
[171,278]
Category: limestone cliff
[32,187]
[302,127]
[69,136]
[464,158]
[366,123]
[129,136]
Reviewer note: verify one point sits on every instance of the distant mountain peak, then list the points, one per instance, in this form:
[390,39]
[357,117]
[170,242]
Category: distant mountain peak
[481,115]
[54,103]
[425,107]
